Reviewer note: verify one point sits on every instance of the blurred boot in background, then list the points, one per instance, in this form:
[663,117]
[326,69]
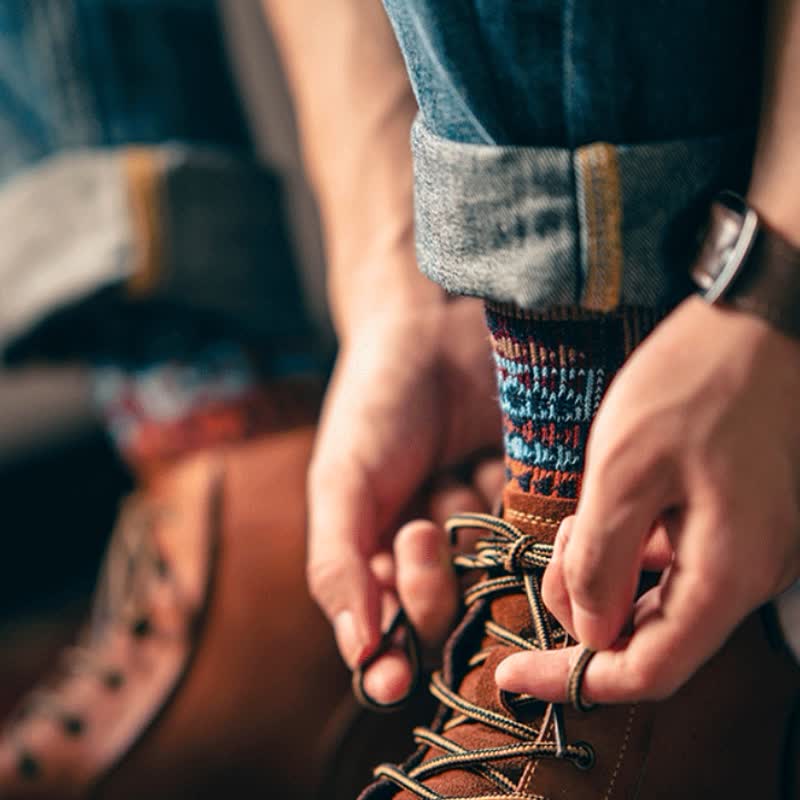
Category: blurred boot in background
[207,668]
[143,238]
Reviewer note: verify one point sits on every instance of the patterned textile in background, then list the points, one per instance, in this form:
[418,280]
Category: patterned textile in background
[169,407]
[552,371]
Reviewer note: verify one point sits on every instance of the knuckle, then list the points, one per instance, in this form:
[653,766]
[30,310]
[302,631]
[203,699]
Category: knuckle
[584,579]
[323,577]
[707,587]
[429,620]
[319,470]
[553,589]
[649,681]
[635,456]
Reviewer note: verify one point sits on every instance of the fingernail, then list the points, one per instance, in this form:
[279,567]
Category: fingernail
[507,672]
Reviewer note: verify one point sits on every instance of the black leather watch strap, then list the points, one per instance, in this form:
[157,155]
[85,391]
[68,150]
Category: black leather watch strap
[745,264]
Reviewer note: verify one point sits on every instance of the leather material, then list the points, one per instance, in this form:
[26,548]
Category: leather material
[264,704]
[766,282]
[733,731]
[150,662]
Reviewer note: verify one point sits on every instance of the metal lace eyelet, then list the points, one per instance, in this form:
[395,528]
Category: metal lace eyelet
[162,568]
[28,766]
[587,760]
[72,725]
[113,679]
[141,628]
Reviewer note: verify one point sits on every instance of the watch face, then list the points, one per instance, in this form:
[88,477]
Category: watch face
[731,232]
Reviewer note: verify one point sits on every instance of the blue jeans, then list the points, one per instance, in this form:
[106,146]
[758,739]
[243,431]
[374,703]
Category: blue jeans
[566,151]
[129,190]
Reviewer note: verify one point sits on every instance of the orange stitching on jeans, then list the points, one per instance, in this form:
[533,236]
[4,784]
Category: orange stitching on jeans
[142,171]
[599,170]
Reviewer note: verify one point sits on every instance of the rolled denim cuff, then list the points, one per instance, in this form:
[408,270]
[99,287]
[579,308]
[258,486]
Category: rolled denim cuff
[599,227]
[196,229]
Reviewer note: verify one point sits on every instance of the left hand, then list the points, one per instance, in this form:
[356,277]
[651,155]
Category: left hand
[693,467]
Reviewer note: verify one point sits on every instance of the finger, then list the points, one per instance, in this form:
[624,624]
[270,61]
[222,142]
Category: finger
[383,568]
[341,527]
[656,558]
[489,478]
[602,560]
[542,674]
[554,588]
[388,678]
[426,582]
[450,496]
[678,626]
[657,553]
[420,577]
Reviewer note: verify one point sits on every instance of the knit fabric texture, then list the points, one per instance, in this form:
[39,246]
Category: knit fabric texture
[553,369]
[165,406]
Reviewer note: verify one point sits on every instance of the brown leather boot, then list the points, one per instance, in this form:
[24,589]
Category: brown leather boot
[732,732]
[207,669]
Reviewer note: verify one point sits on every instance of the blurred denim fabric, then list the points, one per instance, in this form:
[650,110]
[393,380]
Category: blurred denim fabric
[105,73]
[127,177]
[566,149]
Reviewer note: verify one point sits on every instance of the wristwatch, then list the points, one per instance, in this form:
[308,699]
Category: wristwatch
[745,264]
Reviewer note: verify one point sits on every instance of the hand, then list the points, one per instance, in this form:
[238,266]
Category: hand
[694,465]
[412,394]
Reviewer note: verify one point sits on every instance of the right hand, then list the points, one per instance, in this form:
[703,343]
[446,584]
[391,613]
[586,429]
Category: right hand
[412,394]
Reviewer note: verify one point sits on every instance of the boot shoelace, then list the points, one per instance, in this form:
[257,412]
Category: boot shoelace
[514,562]
[133,562]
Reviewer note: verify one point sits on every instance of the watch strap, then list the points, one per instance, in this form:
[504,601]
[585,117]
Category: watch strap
[745,264]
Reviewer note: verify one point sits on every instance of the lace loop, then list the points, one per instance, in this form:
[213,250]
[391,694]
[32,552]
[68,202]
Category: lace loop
[575,681]
[517,553]
[388,642]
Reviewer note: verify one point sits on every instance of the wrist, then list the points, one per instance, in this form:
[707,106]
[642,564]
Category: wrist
[744,262]
[778,204]
[384,288]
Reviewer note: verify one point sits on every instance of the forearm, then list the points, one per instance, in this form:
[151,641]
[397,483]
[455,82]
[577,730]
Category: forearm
[775,185]
[355,107]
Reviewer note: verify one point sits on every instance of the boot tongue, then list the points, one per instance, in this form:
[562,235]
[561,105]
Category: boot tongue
[536,515]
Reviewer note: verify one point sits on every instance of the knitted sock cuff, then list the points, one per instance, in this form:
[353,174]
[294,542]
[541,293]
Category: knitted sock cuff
[553,368]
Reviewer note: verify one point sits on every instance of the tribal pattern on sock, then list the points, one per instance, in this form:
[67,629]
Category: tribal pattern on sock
[168,407]
[552,370]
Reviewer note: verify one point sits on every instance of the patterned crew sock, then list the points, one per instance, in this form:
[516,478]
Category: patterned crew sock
[162,408]
[552,369]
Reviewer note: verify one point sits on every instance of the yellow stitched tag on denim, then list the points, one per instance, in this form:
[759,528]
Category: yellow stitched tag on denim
[600,205]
